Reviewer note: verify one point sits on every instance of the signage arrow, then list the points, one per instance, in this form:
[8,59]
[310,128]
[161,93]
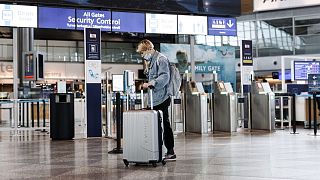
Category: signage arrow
[230,24]
[314,77]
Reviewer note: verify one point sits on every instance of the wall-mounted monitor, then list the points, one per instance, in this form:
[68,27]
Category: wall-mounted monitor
[128,22]
[192,25]
[303,68]
[18,16]
[30,68]
[94,19]
[56,18]
[161,23]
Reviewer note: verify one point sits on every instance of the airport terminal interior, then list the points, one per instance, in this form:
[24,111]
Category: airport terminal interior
[243,79]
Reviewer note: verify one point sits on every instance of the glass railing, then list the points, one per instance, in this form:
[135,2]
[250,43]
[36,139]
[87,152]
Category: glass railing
[6,52]
[73,54]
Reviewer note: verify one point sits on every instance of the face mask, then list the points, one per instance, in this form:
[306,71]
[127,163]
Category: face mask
[147,56]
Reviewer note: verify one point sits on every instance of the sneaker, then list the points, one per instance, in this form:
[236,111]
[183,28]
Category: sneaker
[170,157]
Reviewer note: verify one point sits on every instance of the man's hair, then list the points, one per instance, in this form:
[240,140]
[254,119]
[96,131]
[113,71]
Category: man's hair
[144,45]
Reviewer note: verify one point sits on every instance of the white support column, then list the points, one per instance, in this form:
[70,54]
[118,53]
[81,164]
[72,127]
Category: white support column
[283,75]
[15,63]
[193,66]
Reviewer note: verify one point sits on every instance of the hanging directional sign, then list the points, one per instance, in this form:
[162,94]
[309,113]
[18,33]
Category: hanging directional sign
[314,83]
[222,26]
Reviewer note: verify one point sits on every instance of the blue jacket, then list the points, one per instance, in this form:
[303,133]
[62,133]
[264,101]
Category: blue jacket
[158,76]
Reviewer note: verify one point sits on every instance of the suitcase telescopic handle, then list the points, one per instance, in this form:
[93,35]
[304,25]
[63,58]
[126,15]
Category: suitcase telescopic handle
[151,97]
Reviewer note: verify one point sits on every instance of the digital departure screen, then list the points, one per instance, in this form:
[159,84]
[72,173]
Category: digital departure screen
[303,68]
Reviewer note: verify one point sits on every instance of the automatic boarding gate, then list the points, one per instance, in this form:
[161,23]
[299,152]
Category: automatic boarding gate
[225,113]
[196,118]
[262,107]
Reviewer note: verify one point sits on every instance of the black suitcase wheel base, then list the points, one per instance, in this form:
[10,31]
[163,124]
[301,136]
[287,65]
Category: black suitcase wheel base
[154,163]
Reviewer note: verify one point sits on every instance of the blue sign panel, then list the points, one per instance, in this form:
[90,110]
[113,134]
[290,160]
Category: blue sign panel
[93,44]
[57,18]
[128,22]
[222,26]
[246,53]
[314,83]
[94,19]
[287,75]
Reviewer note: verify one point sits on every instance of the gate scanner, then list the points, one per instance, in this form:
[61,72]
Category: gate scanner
[224,108]
[262,107]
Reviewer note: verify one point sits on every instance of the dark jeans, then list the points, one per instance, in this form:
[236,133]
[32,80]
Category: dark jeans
[168,134]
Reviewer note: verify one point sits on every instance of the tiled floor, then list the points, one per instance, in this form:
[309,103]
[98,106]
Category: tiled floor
[254,156]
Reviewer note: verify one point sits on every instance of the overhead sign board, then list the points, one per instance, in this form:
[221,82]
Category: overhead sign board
[218,26]
[314,83]
[268,5]
[56,18]
[128,22]
[94,19]
[193,25]
[161,23]
[18,16]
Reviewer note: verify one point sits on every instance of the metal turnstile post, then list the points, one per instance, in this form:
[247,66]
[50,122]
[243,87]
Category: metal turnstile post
[281,111]
[250,112]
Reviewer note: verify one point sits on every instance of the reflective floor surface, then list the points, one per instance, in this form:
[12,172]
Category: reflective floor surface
[254,156]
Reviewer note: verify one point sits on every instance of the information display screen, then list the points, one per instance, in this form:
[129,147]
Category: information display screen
[128,22]
[192,25]
[56,18]
[29,66]
[117,83]
[287,75]
[18,16]
[161,23]
[303,68]
[94,19]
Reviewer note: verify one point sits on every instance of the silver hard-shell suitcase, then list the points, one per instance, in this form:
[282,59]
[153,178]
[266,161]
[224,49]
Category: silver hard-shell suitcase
[142,136]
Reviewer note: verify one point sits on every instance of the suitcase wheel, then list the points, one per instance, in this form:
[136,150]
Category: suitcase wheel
[154,164]
[163,162]
[126,162]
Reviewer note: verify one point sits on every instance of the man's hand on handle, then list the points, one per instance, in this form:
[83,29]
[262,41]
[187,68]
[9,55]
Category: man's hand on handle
[147,85]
